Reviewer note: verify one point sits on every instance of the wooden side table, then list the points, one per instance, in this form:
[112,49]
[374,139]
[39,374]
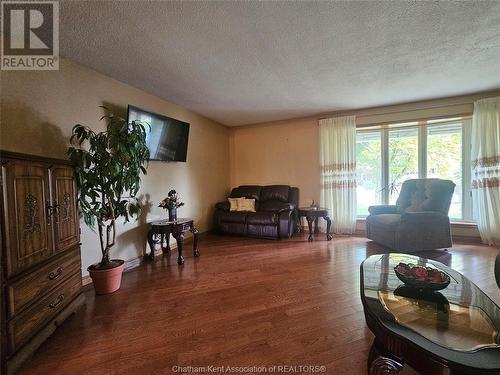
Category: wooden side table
[312,215]
[162,229]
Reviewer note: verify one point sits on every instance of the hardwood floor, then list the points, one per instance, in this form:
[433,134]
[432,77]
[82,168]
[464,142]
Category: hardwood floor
[243,302]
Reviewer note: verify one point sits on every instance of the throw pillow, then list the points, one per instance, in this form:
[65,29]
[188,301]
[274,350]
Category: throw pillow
[234,203]
[247,205]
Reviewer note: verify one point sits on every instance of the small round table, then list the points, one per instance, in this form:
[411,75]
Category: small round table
[163,229]
[312,214]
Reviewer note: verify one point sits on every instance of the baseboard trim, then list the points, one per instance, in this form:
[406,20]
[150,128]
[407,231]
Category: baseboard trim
[359,233]
[467,240]
[134,263]
[129,265]
[473,240]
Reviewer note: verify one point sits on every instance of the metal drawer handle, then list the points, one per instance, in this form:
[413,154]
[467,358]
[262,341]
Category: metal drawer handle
[57,302]
[55,274]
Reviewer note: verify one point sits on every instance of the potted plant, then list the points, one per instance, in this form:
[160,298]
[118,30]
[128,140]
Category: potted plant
[108,167]
[171,203]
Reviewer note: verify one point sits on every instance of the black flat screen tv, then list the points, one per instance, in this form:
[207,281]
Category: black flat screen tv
[168,138]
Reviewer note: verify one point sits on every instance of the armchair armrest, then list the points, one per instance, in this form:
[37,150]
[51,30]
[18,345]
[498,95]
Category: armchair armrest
[383,209]
[223,206]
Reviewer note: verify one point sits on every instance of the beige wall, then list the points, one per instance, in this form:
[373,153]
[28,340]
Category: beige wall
[38,110]
[284,152]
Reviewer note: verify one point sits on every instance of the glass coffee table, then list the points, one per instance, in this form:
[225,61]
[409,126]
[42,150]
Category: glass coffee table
[452,331]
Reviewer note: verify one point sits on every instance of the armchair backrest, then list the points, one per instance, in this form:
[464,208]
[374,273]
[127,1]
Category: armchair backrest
[425,194]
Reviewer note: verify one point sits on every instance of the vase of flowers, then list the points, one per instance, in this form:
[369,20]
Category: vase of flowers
[171,203]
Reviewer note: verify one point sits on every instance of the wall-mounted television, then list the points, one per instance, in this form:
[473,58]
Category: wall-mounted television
[168,138]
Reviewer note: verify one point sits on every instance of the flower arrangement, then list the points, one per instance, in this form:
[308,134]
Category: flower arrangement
[171,201]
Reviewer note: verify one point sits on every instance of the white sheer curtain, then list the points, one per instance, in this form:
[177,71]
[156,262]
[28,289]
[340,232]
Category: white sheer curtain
[338,171]
[485,155]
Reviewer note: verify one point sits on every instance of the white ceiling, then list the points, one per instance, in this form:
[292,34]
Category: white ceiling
[249,62]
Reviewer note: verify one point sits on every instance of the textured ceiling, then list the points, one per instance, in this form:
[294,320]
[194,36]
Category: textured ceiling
[249,62]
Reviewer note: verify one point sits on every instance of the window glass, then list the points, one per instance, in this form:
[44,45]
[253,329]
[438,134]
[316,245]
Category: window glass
[444,160]
[403,159]
[368,170]
[388,155]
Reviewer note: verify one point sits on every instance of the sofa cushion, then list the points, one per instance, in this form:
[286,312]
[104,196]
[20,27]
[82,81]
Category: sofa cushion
[262,218]
[387,221]
[275,192]
[233,216]
[246,191]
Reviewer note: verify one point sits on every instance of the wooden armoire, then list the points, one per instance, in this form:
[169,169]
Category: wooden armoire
[40,245]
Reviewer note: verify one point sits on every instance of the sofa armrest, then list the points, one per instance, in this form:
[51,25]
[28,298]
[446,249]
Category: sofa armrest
[286,223]
[293,196]
[286,207]
[383,209]
[223,206]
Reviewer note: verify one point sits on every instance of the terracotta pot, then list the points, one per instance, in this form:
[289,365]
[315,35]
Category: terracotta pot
[109,280]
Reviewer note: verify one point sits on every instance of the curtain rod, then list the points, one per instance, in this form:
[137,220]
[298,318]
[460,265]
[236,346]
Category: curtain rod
[467,115]
[353,113]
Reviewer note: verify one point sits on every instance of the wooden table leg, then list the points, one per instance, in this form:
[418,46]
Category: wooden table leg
[316,227]
[151,244]
[180,242]
[196,253]
[310,221]
[328,226]
[166,249]
[379,364]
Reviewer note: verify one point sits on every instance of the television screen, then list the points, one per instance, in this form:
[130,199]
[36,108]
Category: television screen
[168,138]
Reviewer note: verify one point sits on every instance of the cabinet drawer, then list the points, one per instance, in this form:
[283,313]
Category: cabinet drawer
[40,282]
[28,322]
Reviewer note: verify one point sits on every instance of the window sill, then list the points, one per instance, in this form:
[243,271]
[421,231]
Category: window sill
[463,224]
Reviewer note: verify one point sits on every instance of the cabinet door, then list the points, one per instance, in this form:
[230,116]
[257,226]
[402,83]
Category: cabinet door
[66,226]
[27,222]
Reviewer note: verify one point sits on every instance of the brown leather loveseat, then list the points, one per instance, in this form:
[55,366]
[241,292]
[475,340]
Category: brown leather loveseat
[275,216]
